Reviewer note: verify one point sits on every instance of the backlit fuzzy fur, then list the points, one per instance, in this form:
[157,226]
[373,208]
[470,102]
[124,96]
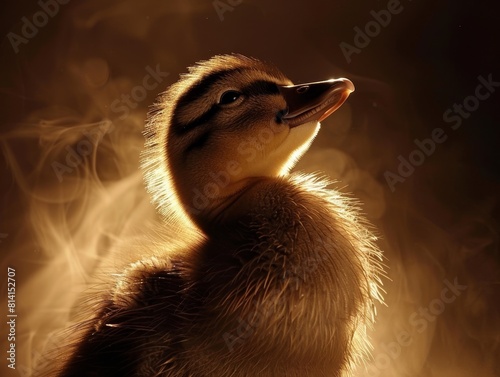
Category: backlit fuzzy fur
[283,285]
[157,172]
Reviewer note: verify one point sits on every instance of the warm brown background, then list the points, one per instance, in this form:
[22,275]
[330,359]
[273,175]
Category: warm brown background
[441,223]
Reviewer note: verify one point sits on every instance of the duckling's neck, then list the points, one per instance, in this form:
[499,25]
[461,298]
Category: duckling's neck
[236,200]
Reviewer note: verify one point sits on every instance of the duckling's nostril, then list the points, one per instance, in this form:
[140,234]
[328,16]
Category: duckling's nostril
[302,89]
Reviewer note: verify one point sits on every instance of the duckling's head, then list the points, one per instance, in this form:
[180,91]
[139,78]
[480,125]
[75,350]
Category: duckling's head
[229,122]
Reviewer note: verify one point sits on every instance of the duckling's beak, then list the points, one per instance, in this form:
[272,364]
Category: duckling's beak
[314,101]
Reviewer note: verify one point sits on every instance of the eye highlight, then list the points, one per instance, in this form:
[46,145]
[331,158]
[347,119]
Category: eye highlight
[228,97]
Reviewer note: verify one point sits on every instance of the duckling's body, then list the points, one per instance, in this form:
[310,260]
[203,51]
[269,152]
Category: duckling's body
[281,282]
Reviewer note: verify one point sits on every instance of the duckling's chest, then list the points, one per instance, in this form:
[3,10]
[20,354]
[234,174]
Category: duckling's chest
[284,241]
[290,232]
[286,283]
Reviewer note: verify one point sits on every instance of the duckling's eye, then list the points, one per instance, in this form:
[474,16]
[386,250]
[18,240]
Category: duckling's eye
[229,97]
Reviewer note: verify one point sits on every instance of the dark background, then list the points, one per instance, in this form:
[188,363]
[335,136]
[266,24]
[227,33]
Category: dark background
[441,223]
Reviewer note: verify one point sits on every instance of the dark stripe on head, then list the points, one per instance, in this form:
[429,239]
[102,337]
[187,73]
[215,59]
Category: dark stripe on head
[260,87]
[203,86]
[199,89]
[256,88]
[204,118]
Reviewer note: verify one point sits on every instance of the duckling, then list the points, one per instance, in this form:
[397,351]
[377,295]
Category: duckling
[285,272]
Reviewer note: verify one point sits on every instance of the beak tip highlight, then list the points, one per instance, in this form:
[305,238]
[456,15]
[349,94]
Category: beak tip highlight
[348,83]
